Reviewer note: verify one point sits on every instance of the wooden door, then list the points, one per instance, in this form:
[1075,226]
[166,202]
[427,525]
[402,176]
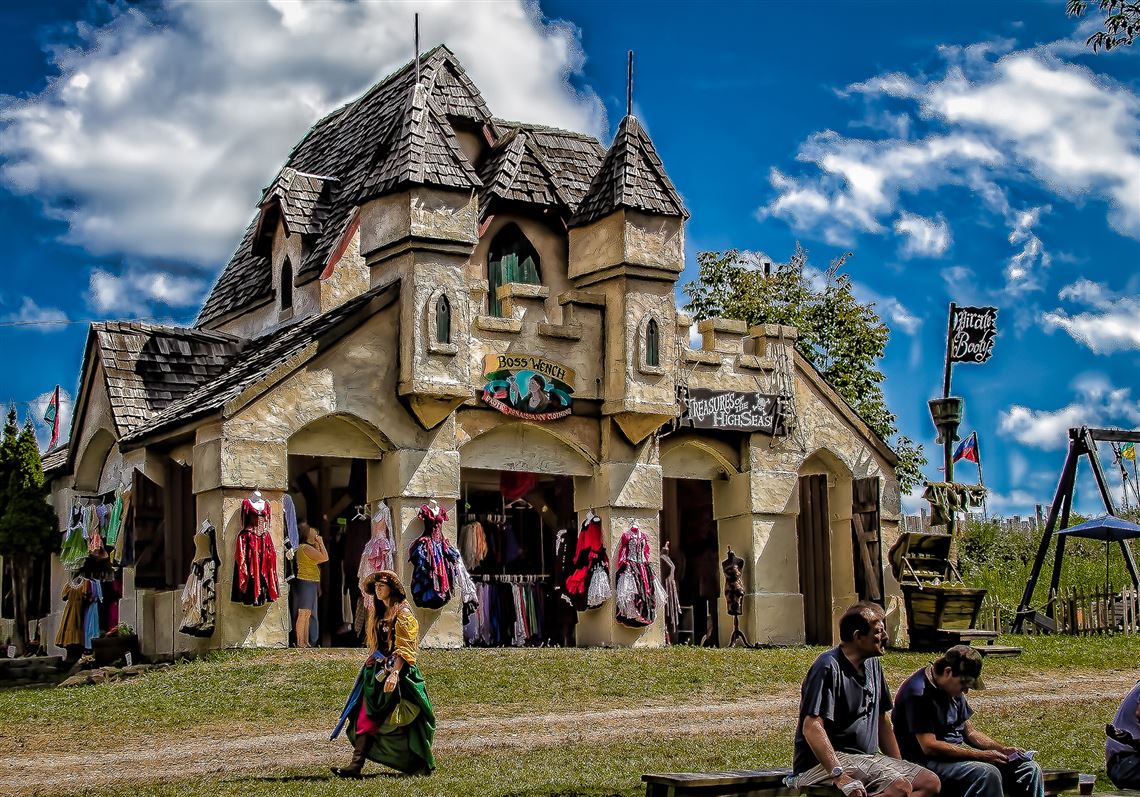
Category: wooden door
[866,539]
[815,559]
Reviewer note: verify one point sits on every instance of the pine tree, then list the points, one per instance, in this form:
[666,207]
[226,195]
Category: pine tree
[842,337]
[27,521]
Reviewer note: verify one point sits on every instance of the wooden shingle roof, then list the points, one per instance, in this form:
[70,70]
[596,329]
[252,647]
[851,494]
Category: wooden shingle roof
[370,145]
[147,367]
[631,176]
[263,356]
[515,170]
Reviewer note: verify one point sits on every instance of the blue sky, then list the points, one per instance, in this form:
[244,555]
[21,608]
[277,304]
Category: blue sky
[974,152]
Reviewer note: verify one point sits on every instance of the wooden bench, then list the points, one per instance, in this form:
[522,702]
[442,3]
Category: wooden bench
[770,783]
[735,782]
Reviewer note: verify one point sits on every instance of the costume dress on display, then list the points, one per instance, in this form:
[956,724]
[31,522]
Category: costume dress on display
[255,560]
[433,561]
[636,590]
[591,567]
[376,556]
[401,722]
[200,595]
[70,630]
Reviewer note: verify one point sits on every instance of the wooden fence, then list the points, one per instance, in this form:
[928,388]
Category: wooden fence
[1101,611]
[1098,612]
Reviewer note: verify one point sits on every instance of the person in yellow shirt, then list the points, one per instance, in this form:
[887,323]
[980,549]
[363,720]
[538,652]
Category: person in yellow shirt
[311,554]
[388,717]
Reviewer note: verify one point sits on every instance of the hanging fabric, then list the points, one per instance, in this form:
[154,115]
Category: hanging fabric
[672,596]
[590,563]
[636,592]
[255,559]
[200,594]
[433,559]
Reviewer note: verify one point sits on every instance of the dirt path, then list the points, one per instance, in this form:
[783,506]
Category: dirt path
[32,766]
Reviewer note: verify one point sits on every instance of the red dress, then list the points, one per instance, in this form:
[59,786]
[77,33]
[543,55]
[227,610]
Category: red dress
[255,560]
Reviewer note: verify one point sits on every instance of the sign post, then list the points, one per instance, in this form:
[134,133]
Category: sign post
[970,333]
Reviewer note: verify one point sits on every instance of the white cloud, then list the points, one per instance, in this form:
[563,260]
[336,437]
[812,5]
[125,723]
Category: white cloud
[134,292]
[1024,270]
[44,319]
[924,237]
[1029,116]
[39,406]
[160,130]
[1097,403]
[1111,324]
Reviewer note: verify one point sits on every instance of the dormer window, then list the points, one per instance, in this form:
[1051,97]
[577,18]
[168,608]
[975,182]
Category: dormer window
[652,344]
[285,293]
[510,259]
[442,320]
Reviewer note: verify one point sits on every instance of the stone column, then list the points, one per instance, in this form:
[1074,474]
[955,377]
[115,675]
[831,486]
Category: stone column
[756,515]
[408,479]
[226,472]
[625,492]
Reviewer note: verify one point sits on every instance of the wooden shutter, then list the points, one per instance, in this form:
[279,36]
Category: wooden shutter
[442,320]
[866,539]
[179,517]
[149,533]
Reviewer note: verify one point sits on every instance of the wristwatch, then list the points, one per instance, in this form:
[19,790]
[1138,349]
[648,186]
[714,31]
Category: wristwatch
[836,772]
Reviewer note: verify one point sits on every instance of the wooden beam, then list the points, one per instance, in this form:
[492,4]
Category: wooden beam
[1113,435]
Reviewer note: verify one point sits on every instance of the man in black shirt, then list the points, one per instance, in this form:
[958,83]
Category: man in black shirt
[844,724]
[932,723]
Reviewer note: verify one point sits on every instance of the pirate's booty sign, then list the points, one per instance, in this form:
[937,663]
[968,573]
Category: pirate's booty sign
[527,386]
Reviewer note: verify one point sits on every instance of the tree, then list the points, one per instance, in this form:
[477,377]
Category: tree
[27,520]
[1121,22]
[843,338]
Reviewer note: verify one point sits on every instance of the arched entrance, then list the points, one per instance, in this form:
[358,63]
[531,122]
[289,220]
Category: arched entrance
[517,521]
[329,464]
[823,543]
[689,466]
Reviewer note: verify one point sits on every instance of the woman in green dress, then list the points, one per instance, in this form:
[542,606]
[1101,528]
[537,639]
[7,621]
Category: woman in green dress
[388,717]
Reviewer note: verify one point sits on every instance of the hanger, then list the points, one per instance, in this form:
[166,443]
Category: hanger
[205,527]
[360,512]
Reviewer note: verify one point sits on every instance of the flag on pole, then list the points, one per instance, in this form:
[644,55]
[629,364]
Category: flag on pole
[1128,451]
[51,415]
[968,449]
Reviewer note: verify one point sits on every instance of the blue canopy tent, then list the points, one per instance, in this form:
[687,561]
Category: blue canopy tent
[1107,529]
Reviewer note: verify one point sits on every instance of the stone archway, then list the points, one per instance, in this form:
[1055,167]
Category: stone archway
[92,466]
[824,544]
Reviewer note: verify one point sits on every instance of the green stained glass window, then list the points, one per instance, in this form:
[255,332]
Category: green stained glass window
[652,344]
[511,259]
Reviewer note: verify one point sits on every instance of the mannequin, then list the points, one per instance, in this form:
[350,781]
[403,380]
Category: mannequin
[204,542]
[733,567]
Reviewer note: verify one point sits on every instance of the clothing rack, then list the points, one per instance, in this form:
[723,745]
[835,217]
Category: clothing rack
[513,579]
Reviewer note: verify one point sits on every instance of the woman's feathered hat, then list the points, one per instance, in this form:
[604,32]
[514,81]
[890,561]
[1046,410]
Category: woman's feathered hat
[393,581]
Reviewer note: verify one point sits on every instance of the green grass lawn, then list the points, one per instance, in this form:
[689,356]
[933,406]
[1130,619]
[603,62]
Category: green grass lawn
[255,689]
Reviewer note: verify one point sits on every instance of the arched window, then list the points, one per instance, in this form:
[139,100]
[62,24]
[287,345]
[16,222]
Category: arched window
[286,293]
[442,320]
[510,259]
[652,344]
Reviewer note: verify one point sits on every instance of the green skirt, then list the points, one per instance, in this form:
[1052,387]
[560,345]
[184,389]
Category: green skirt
[407,721]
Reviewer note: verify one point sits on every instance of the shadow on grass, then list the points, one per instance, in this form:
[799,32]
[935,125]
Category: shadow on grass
[313,778]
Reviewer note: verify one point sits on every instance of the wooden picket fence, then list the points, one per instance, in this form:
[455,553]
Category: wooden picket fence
[1098,612]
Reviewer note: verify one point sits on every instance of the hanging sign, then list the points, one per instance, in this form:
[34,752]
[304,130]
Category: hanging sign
[731,410]
[972,332]
[527,386]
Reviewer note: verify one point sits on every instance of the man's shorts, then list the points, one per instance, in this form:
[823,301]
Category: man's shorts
[877,772]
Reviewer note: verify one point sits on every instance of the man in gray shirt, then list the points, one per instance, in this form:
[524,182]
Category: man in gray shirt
[844,735]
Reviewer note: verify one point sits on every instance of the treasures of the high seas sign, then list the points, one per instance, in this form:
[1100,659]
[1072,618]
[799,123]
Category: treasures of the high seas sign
[972,331]
[527,386]
[732,410]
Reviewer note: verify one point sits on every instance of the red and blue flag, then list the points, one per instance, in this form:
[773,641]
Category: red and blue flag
[968,449]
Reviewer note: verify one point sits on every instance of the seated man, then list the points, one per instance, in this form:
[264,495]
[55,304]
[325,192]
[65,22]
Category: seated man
[1122,751]
[843,721]
[932,723]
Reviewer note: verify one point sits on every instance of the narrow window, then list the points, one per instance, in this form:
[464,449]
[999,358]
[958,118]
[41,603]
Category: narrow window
[286,285]
[652,344]
[510,259]
[442,320]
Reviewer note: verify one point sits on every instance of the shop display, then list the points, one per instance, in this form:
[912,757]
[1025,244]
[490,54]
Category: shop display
[255,559]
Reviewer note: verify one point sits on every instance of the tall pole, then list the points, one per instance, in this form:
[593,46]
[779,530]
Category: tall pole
[416,36]
[629,86]
[981,479]
[948,443]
